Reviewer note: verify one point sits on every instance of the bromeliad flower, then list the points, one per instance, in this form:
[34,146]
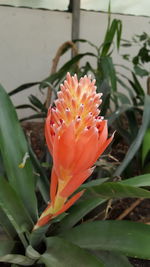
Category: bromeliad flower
[76,136]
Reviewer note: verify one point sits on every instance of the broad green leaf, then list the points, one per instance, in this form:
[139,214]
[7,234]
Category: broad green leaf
[7,225]
[146,145]
[32,253]
[17,259]
[61,253]
[138,181]
[118,190]
[77,212]
[6,246]
[13,207]
[13,148]
[38,235]
[138,140]
[42,182]
[113,259]
[129,238]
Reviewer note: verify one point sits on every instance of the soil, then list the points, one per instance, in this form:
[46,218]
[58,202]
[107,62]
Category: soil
[139,213]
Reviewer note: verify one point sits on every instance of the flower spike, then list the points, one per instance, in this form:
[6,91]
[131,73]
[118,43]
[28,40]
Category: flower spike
[76,136]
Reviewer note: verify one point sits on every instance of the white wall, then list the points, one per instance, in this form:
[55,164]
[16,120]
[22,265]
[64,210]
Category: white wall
[30,38]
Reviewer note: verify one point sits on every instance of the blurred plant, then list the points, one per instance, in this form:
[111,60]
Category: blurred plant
[65,241]
[104,73]
[143,55]
[124,108]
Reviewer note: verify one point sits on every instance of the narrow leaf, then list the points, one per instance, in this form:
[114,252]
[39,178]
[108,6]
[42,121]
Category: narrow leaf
[146,145]
[118,190]
[37,103]
[138,140]
[138,181]
[34,116]
[22,88]
[77,212]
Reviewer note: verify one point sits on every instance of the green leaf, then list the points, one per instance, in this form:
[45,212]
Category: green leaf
[60,74]
[119,33]
[6,246]
[118,190]
[42,182]
[132,124]
[32,253]
[109,71]
[136,85]
[37,103]
[129,238]
[61,253]
[113,29]
[13,207]
[34,116]
[146,145]
[13,148]
[93,183]
[138,140]
[38,235]
[6,225]
[123,98]
[116,114]
[138,181]
[141,72]
[77,212]
[129,90]
[24,106]
[22,88]
[86,41]
[114,259]
[17,259]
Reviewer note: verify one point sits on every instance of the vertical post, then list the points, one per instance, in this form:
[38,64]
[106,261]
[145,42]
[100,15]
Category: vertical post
[75,4]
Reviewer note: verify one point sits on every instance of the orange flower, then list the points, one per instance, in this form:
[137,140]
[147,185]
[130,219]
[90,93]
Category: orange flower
[76,136]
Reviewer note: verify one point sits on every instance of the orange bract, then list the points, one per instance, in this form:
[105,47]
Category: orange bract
[76,136]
